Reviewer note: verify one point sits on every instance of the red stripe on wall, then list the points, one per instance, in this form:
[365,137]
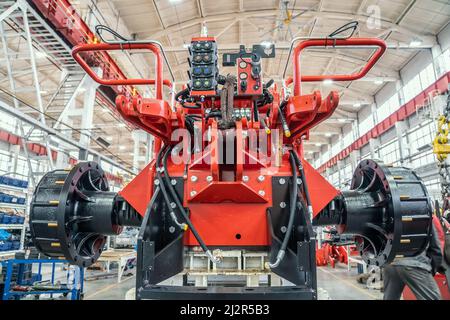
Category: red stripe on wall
[405,111]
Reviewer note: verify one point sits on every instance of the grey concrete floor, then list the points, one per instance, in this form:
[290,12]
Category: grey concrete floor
[338,283]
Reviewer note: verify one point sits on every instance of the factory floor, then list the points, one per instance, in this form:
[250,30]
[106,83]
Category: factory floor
[335,284]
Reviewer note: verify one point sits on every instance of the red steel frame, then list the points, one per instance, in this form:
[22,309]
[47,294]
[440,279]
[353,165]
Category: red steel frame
[206,198]
[352,42]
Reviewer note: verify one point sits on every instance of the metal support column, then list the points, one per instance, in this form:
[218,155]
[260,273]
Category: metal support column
[88,114]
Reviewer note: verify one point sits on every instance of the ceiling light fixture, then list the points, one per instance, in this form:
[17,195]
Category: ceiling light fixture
[122,147]
[357,105]
[327,82]
[378,81]
[266,44]
[415,43]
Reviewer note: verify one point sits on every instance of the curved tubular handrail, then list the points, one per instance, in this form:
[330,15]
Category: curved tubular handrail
[158,81]
[328,42]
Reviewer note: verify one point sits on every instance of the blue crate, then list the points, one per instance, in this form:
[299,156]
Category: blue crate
[21,200]
[4,235]
[13,220]
[6,198]
[3,180]
[5,245]
[15,182]
[14,199]
[15,245]
[23,184]
[6,219]
[20,220]
[2,214]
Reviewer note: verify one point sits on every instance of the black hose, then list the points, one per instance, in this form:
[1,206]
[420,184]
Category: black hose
[305,185]
[164,191]
[184,92]
[213,114]
[293,206]
[181,208]
[255,112]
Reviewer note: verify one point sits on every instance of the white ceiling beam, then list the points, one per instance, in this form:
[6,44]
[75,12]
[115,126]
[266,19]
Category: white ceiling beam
[274,12]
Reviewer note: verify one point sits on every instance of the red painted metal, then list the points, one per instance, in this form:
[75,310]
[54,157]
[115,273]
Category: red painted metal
[95,47]
[330,255]
[139,191]
[352,42]
[321,191]
[68,23]
[404,112]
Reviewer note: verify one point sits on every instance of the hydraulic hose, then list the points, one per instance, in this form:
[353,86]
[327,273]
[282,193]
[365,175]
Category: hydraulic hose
[293,206]
[181,93]
[305,185]
[182,226]
[183,212]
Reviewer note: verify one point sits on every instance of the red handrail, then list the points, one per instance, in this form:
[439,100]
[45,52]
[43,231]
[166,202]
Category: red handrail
[158,81]
[352,42]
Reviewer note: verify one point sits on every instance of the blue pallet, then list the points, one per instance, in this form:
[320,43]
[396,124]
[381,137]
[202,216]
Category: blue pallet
[5,180]
[5,245]
[15,182]
[15,245]
[6,219]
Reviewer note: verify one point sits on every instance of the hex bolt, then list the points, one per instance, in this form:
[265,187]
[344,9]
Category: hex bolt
[299,181]
[282,204]
[209,178]
[194,178]
[193,193]
[156,182]
[173,205]
[283,229]
[245,178]
[172,229]
[261,178]
[173,182]
[282,181]
[261,193]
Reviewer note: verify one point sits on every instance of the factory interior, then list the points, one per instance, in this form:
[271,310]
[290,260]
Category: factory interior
[224,150]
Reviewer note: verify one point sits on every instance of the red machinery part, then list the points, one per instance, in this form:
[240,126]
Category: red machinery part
[158,81]
[356,42]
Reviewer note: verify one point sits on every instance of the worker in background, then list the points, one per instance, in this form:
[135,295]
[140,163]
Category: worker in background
[416,272]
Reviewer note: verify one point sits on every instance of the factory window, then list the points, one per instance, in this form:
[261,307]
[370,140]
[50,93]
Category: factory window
[7,122]
[383,111]
[412,88]
[335,148]
[434,188]
[348,139]
[427,76]
[390,153]
[443,63]
[366,125]
[421,136]
[422,159]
